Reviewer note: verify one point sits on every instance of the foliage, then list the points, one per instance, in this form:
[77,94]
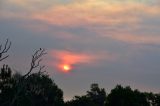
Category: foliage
[35,90]
[81,101]
[6,85]
[125,96]
[95,97]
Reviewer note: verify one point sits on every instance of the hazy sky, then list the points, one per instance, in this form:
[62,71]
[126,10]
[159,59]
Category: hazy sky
[104,41]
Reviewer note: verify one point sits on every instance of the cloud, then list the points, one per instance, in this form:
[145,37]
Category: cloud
[133,38]
[60,57]
[138,39]
[84,12]
[97,12]
[100,14]
[30,5]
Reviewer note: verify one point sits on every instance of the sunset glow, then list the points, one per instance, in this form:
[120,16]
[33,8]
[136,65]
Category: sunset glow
[66,68]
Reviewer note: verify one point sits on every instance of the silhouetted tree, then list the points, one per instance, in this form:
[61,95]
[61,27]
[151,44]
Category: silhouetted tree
[120,96]
[157,100]
[31,89]
[38,90]
[97,95]
[153,99]
[21,82]
[6,85]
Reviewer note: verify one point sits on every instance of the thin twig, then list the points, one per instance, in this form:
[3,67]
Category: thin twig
[4,50]
[36,59]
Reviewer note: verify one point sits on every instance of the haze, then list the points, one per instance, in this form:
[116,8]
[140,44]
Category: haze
[107,42]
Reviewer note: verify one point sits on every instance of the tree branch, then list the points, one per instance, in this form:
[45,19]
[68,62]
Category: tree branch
[4,50]
[35,63]
[36,59]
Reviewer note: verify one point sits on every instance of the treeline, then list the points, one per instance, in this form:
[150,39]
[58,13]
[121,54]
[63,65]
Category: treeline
[36,88]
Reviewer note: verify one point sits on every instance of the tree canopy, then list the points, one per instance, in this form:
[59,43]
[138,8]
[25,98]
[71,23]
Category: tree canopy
[35,90]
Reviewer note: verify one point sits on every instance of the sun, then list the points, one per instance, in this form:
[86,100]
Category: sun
[66,68]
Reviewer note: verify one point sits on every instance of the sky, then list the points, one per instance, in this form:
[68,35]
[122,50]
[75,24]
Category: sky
[108,42]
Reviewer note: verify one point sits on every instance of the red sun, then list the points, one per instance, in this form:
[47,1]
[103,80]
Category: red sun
[66,68]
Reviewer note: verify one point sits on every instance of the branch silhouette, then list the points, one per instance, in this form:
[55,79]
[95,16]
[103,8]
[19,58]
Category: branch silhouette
[4,50]
[35,63]
[36,59]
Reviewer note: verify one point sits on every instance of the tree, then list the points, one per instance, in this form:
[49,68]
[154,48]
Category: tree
[31,89]
[6,85]
[21,82]
[153,99]
[39,90]
[120,96]
[97,95]
[157,100]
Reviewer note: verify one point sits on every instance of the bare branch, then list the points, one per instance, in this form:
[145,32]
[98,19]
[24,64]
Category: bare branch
[4,50]
[41,68]
[36,59]
[35,63]
[2,58]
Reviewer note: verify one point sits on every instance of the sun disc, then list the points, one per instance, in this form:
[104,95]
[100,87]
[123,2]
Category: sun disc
[66,68]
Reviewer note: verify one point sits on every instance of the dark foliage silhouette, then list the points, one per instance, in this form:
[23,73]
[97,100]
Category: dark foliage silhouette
[95,97]
[31,89]
[153,99]
[6,85]
[38,90]
[21,82]
[80,101]
[125,96]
